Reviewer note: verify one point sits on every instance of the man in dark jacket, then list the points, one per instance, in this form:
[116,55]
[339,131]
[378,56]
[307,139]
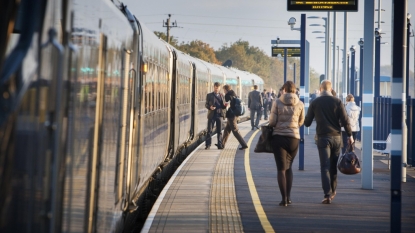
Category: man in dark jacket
[255,106]
[329,112]
[232,123]
[215,103]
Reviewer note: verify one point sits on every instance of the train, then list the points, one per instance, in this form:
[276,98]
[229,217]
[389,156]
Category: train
[96,113]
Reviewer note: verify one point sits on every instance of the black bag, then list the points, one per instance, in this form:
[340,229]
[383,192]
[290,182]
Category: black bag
[264,142]
[237,107]
[348,162]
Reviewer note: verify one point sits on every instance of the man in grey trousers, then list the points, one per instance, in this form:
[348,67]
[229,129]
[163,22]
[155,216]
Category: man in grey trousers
[255,106]
[329,112]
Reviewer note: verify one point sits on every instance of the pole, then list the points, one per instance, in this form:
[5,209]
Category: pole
[334,48]
[338,71]
[328,44]
[408,36]
[347,76]
[285,65]
[361,71]
[377,66]
[352,71]
[168,29]
[345,60]
[367,95]
[302,85]
[294,72]
[397,105]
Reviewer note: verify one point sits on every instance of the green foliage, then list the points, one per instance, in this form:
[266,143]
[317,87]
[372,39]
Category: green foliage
[163,36]
[200,50]
[248,58]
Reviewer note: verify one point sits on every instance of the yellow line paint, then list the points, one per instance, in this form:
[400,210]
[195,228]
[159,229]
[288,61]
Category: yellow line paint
[254,194]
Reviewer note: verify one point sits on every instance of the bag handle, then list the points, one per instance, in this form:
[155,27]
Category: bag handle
[350,147]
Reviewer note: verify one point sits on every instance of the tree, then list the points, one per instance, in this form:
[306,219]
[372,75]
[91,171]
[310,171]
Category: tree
[163,36]
[199,50]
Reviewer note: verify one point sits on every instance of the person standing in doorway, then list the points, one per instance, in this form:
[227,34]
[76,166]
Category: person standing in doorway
[255,106]
[287,116]
[329,112]
[215,103]
[232,123]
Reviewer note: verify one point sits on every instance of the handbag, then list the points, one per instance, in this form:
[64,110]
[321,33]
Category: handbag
[348,162]
[264,142]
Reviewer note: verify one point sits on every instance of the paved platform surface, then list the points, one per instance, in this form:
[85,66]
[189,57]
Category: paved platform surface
[236,191]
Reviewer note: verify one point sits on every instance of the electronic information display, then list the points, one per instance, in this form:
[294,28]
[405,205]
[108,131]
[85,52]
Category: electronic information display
[291,51]
[309,5]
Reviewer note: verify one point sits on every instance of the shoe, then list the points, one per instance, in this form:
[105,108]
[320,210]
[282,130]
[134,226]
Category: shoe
[326,200]
[207,147]
[219,147]
[253,128]
[283,203]
[289,201]
[257,127]
[333,195]
[243,148]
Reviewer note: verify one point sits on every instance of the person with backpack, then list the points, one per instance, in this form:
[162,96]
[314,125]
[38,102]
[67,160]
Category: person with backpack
[232,117]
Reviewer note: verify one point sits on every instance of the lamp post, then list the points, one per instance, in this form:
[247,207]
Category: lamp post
[303,83]
[377,62]
[352,70]
[361,43]
[285,65]
[408,36]
[327,39]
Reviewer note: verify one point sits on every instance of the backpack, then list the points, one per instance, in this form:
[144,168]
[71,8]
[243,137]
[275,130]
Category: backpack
[237,107]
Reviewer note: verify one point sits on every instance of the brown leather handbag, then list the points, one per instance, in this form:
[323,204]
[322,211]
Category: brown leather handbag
[348,162]
[264,142]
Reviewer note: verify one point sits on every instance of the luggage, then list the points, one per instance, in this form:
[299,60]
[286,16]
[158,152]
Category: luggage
[348,162]
[264,142]
[237,107]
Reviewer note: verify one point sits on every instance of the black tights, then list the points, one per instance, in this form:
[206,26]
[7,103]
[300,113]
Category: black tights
[285,182]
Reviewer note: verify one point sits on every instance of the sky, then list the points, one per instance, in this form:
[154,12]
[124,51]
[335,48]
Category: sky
[222,22]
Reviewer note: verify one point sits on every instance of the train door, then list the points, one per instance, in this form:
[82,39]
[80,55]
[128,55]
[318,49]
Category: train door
[174,121]
[193,103]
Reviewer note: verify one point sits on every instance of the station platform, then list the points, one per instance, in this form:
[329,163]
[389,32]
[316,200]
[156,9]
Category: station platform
[237,191]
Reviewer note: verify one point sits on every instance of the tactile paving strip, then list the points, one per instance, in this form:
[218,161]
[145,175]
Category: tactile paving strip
[223,207]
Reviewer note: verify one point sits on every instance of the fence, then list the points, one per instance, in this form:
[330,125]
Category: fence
[382,124]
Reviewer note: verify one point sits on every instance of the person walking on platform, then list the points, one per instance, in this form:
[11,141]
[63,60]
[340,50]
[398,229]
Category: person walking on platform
[216,106]
[265,104]
[255,106]
[287,115]
[353,112]
[232,124]
[329,112]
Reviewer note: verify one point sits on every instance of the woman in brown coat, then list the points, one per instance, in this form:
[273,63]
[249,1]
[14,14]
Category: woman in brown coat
[287,115]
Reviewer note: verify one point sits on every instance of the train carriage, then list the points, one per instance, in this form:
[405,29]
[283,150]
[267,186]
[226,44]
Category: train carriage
[105,111]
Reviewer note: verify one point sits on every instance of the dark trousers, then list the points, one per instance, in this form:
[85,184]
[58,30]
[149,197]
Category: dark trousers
[232,125]
[258,116]
[328,150]
[211,123]
[344,137]
[266,112]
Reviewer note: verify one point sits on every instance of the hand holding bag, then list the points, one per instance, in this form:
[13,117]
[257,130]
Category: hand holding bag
[264,142]
[348,162]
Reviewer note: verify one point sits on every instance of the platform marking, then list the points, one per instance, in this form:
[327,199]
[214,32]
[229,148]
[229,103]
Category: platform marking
[254,194]
[156,206]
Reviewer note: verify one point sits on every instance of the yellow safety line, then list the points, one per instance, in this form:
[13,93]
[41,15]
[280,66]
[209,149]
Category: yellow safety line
[254,194]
